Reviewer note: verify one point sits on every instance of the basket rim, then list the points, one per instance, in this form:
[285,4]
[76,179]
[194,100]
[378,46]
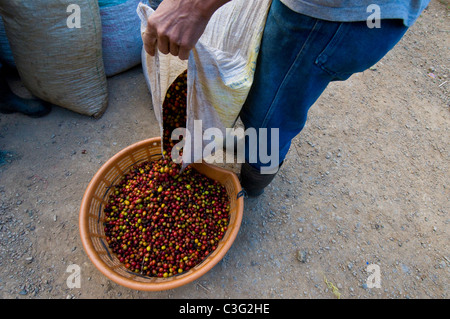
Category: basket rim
[152,286]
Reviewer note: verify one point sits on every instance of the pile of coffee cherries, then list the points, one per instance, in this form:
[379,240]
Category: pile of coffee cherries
[161,221]
[174,111]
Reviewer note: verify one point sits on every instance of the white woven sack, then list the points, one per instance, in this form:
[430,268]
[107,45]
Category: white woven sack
[220,67]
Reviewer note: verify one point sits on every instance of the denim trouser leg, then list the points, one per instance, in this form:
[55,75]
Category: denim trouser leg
[299,57]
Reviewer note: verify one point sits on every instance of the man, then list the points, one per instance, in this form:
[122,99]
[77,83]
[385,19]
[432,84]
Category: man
[306,45]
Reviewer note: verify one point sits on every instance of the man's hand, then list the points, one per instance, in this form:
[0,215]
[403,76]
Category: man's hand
[176,26]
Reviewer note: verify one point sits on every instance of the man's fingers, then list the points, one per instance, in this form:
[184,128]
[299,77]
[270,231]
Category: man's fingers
[163,44]
[162,39]
[149,43]
[183,53]
[174,48]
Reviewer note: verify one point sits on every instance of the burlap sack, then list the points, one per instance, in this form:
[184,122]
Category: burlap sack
[56,63]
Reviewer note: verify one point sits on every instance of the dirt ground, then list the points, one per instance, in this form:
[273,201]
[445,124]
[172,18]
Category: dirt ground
[366,182]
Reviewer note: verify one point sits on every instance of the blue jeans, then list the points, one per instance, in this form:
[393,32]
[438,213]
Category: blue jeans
[298,58]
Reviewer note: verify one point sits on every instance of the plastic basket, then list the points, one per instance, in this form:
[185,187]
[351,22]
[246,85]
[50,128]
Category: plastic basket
[92,216]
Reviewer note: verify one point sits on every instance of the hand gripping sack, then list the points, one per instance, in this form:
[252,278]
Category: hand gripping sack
[56,63]
[220,67]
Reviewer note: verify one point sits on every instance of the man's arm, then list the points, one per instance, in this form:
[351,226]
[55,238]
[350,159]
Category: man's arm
[177,25]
